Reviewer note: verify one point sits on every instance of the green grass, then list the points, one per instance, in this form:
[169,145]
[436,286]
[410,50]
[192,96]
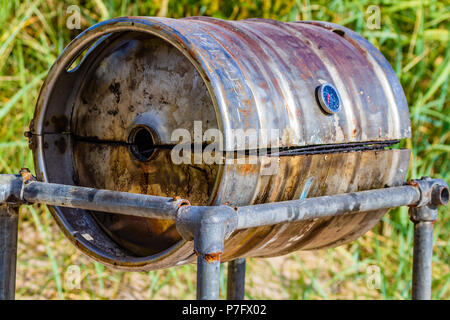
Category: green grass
[414,37]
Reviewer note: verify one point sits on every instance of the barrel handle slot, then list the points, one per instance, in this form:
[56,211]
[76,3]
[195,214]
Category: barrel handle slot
[83,53]
[339,32]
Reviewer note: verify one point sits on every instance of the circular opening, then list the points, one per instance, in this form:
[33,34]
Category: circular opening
[142,143]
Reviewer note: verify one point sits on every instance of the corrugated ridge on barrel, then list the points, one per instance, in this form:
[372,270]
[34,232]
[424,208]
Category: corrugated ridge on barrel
[272,85]
[357,107]
[297,54]
[366,115]
[379,103]
[389,80]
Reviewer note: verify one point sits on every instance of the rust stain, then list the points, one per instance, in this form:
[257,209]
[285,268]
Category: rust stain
[211,257]
[26,175]
[183,202]
[61,145]
[247,168]
[60,123]
[412,183]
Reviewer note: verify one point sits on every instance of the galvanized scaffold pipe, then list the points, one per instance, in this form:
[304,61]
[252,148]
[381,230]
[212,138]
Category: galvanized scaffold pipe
[125,203]
[326,206]
[236,279]
[433,194]
[8,250]
[210,226]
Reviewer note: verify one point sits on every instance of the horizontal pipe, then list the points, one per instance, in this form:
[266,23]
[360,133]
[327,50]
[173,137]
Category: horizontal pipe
[320,207]
[248,216]
[102,200]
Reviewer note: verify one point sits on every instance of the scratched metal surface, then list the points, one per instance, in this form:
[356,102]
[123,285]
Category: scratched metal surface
[258,74]
[307,176]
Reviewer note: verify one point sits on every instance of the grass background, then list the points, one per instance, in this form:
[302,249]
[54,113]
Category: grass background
[414,37]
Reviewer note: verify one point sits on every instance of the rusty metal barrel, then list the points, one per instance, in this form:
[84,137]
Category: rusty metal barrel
[111,103]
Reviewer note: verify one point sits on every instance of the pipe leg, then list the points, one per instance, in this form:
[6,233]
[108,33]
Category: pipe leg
[236,279]
[208,245]
[422,260]
[208,227]
[423,218]
[8,251]
[208,276]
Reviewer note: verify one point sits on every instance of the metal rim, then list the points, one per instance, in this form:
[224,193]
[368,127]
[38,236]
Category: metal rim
[88,37]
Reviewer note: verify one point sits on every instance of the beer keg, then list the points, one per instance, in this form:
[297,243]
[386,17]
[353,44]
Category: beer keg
[293,110]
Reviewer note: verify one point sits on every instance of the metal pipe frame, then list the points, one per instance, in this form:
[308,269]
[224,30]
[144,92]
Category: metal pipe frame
[210,226]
